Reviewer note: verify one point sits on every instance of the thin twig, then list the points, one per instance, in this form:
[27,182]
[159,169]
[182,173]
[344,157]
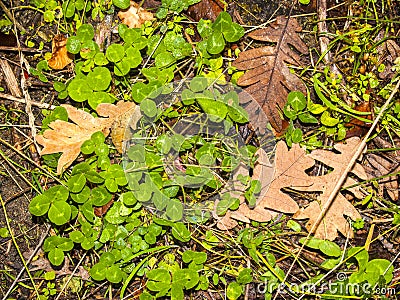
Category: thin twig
[22,100]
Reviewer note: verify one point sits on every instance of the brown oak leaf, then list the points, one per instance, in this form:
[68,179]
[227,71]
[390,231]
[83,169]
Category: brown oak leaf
[290,171]
[135,16]
[60,57]
[268,78]
[68,137]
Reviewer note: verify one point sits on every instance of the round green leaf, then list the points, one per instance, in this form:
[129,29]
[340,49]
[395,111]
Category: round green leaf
[76,236]
[327,120]
[122,4]
[122,68]
[164,59]
[297,100]
[57,193]
[79,90]
[233,33]
[133,57]
[56,256]
[76,183]
[99,79]
[64,244]
[59,212]
[149,108]
[98,272]
[85,32]
[100,196]
[128,199]
[223,22]
[73,45]
[234,291]
[330,248]
[215,108]
[39,205]
[215,43]
[97,98]
[114,274]
[115,52]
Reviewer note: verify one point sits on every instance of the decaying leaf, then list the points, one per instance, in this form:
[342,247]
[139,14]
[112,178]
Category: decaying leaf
[268,78]
[135,15]
[334,219]
[60,57]
[68,137]
[206,9]
[290,172]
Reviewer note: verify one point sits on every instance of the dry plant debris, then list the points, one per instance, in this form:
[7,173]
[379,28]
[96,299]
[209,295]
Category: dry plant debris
[268,78]
[68,137]
[135,16]
[291,172]
[60,57]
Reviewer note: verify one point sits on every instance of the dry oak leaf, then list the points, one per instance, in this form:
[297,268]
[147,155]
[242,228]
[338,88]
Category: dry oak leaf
[135,16]
[268,78]
[68,137]
[334,219]
[60,57]
[290,172]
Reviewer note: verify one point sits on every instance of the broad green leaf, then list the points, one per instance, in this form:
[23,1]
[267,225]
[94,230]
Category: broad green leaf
[245,276]
[327,120]
[64,244]
[215,43]
[238,114]
[73,45]
[85,32]
[99,79]
[76,183]
[159,275]
[312,242]
[307,118]
[297,100]
[233,33]
[204,27]
[234,290]
[149,108]
[215,108]
[122,4]
[115,52]
[100,196]
[198,84]
[174,210]
[59,212]
[98,272]
[187,278]
[76,236]
[180,232]
[128,198]
[330,248]
[57,193]
[113,214]
[39,205]
[197,257]
[187,97]
[133,57]
[56,256]
[97,98]
[114,274]
[122,68]
[164,59]
[79,90]
[223,22]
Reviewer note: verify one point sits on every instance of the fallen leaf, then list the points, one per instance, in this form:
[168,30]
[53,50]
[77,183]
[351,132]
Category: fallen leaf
[68,137]
[135,16]
[60,57]
[334,219]
[268,78]
[359,128]
[290,171]
[206,9]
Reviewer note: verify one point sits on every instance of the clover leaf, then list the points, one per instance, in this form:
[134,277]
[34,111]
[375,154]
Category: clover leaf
[99,79]
[115,52]
[79,90]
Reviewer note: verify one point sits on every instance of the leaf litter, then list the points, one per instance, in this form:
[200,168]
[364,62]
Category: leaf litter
[268,79]
[290,171]
[68,137]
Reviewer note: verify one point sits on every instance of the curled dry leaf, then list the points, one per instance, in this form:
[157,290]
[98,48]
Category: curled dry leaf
[135,15]
[268,78]
[68,137]
[60,57]
[206,9]
[290,171]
